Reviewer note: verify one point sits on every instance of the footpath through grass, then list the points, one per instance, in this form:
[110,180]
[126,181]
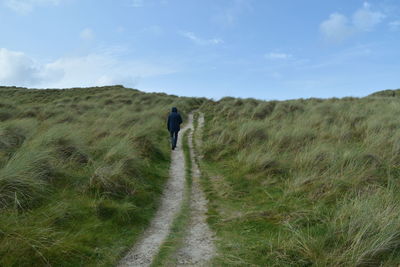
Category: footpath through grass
[304,183]
[81,172]
[168,250]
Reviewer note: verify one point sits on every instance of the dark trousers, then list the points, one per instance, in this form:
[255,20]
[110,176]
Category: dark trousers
[174,138]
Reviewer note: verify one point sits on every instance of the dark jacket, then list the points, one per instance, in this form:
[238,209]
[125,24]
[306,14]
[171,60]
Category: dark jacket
[174,121]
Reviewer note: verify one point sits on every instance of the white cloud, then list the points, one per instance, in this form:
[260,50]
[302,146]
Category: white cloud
[339,27]
[145,3]
[336,28]
[17,68]
[394,25]
[87,34]
[274,55]
[102,68]
[365,20]
[136,3]
[200,41]
[26,6]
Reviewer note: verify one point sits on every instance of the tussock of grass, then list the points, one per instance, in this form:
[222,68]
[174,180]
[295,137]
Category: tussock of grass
[24,178]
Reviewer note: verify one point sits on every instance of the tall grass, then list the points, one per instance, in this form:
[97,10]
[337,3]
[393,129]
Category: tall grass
[304,182]
[81,171]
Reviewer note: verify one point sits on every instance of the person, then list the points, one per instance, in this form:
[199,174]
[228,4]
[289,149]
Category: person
[173,125]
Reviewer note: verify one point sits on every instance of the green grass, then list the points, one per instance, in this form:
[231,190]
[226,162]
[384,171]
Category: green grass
[81,172]
[308,182]
[167,254]
[304,182]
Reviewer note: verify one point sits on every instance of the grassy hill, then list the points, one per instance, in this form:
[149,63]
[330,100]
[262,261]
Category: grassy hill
[304,183]
[81,171]
[290,183]
[387,93]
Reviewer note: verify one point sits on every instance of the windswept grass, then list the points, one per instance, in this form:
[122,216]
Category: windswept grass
[81,171]
[291,183]
[304,182]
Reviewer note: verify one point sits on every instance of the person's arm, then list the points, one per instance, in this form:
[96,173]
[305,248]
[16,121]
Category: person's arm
[180,119]
[168,122]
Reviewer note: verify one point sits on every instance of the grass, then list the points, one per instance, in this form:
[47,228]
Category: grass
[169,249]
[307,182]
[304,182]
[81,172]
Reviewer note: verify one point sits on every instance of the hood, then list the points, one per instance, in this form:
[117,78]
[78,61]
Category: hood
[174,109]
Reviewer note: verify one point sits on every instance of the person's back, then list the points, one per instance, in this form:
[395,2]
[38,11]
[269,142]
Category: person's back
[173,125]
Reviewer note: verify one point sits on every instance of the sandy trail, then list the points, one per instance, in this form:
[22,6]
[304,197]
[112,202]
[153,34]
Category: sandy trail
[198,247]
[147,247]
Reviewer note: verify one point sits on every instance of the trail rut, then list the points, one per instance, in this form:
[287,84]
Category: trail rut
[198,248]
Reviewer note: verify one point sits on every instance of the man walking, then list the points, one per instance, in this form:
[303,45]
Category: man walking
[173,125]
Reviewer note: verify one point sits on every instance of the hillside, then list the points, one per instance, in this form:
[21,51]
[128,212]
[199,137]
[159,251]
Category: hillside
[387,93]
[304,183]
[81,171]
[308,182]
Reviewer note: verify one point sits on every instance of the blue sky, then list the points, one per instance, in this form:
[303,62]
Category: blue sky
[267,49]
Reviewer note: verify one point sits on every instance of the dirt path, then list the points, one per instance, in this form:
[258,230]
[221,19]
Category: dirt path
[147,247]
[198,247]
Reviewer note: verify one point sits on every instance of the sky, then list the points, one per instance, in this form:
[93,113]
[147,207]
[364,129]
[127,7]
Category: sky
[265,49]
